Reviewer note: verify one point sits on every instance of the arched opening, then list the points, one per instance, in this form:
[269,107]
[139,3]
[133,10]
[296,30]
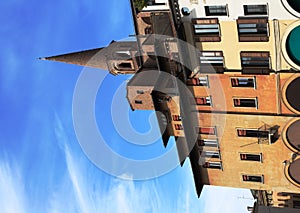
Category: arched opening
[290,45]
[148,30]
[293,135]
[147,20]
[292,94]
[125,65]
[293,45]
[293,171]
[295,4]
[292,6]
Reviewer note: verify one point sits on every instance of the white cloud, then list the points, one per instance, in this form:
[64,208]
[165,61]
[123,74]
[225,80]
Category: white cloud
[90,190]
[225,199]
[12,196]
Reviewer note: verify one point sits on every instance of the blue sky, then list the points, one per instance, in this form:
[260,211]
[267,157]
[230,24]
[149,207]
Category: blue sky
[42,166]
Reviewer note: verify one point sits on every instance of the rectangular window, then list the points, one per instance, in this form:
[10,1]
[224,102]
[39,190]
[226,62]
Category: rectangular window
[210,154]
[295,196]
[178,127]
[208,142]
[253,133]
[206,29]
[253,178]
[211,58]
[211,62]
[176,117]
[296,204]
[212,165]
[201,81]
[253,29]
[218,10]
[255,59]
[206,130]
[245,102]
[261,9]
[255,62]
[251,157]
[243,82]
[204,101]
[138,102]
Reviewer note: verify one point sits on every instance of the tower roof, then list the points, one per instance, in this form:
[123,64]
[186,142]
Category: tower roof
[91,58]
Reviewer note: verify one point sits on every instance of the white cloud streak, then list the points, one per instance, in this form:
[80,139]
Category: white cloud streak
[12,196]
[93,191]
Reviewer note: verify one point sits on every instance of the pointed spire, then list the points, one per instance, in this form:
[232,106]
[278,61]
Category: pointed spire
[92,58]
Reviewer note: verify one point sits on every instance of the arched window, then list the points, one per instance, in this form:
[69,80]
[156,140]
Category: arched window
[148,30]
[123,66]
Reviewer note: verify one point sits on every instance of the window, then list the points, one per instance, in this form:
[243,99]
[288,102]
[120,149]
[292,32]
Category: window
[220,10]
[251,157]
[245,102]
[212,165]
[148,30]
[206,130]
[253,133]
[212,58]
[255,59]
[178,127]
[204,101]
[123,66]
[140,92]
[296,204]
[243,82]
[253,178]
[255,62]
[210,154]
[138,102]
[208,142]
[255,9]
[206,29]
[201,81]
[211,61]
[253,29]
[176,117]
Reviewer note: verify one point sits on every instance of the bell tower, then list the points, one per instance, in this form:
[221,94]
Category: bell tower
[118,58]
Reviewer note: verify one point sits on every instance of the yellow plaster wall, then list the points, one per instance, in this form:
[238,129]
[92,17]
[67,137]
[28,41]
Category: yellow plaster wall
[231,46]
[231,145]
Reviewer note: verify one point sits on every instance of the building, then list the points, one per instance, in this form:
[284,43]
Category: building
[268,209]
[223,77]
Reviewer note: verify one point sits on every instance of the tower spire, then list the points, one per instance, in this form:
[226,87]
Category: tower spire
[117,58]
[95,58]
